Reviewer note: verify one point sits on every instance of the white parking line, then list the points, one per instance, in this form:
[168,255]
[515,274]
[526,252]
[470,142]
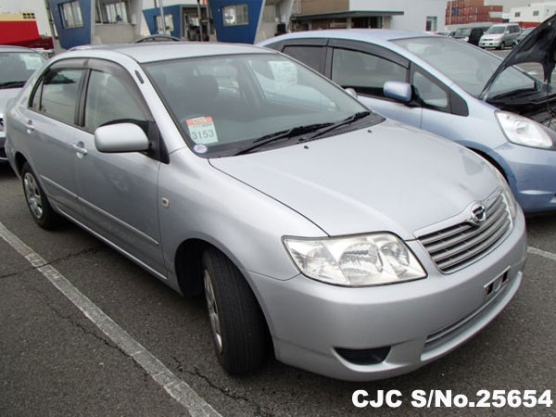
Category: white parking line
[535,251]
[175,387]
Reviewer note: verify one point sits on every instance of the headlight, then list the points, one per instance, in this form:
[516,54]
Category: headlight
[523,131]
[507,193]
[355,261]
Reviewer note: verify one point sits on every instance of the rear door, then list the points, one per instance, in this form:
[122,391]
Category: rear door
[312,51]
[49,125]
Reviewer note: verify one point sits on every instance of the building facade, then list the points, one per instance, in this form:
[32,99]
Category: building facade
[535,13]
[418,15]
[82,22]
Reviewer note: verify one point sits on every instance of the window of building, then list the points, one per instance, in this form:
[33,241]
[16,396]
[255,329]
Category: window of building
[432,24]
[112,11]
[236,15]
[71,14]
[169,19]
[535,13]
[517,14]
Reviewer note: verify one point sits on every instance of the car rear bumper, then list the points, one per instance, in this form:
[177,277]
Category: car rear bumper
[378,332]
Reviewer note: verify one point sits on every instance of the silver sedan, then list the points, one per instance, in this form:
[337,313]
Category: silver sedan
[357,247]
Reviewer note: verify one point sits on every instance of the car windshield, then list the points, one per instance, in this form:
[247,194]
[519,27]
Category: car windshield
[227,104]
[468,66]
[496,30]
[17,67]
[462,32]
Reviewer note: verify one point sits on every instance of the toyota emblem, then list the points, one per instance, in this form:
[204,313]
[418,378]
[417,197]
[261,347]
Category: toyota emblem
[478,214]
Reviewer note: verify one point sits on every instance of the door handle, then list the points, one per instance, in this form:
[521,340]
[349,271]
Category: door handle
[79,149]
[29,126]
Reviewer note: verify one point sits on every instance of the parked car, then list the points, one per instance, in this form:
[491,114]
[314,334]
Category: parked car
[500,36]
[452,89]
[360,247]
[17,64]
[471,34]
[524,33]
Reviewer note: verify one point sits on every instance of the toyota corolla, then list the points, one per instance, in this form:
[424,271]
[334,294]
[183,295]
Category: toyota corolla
[359,248]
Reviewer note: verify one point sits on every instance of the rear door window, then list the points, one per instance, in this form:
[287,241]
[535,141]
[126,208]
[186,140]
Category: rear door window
[312,56]
[57,94]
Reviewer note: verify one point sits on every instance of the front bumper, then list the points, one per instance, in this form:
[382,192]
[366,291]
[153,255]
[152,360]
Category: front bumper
[531,173]
[494,43]
[3,156]
[418,321]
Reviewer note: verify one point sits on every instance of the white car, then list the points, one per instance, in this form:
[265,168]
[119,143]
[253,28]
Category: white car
[17,64]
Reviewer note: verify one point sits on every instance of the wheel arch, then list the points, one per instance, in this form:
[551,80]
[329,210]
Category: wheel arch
[189,272]
[20,160]
[492,161]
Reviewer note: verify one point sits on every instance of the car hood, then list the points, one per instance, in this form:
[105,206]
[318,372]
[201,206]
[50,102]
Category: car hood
[6,95]
[387,178]
[538,47]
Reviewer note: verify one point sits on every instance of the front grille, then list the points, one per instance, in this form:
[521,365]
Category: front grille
[451,332]
[457,246]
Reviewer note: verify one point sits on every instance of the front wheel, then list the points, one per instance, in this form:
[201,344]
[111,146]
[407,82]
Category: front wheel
[237,322]
[38,204]
[502,46]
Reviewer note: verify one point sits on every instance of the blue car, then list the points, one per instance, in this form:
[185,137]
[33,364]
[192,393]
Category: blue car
[455,90]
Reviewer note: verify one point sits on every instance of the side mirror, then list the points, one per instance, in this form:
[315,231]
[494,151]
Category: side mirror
[352,92]
[399,91]
[121,137]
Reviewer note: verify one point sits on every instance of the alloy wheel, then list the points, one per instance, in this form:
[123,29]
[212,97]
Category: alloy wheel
[213,311]
[33,194]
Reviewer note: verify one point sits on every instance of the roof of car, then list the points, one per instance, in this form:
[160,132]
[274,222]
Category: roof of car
[162,51]
[376,35]
[11,48]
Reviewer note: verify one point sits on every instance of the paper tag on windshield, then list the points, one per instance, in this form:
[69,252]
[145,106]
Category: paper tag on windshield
[285,74]
[202,130]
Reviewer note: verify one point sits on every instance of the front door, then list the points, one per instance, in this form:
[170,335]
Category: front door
[118,191]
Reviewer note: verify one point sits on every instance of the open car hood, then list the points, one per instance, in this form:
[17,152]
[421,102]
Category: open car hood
[538,47]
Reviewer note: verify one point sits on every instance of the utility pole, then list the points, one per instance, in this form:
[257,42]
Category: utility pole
[200,20]
[162,17]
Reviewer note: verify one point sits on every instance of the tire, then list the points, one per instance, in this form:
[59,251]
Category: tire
[237,323]
[502,46]
[36,199]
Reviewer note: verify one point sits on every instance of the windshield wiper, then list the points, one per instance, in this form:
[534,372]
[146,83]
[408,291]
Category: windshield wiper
[12,84]
[283,134]
[336,125]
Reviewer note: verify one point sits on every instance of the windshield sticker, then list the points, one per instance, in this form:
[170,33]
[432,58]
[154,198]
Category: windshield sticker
[200,149]
[285,74]
[202,130]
